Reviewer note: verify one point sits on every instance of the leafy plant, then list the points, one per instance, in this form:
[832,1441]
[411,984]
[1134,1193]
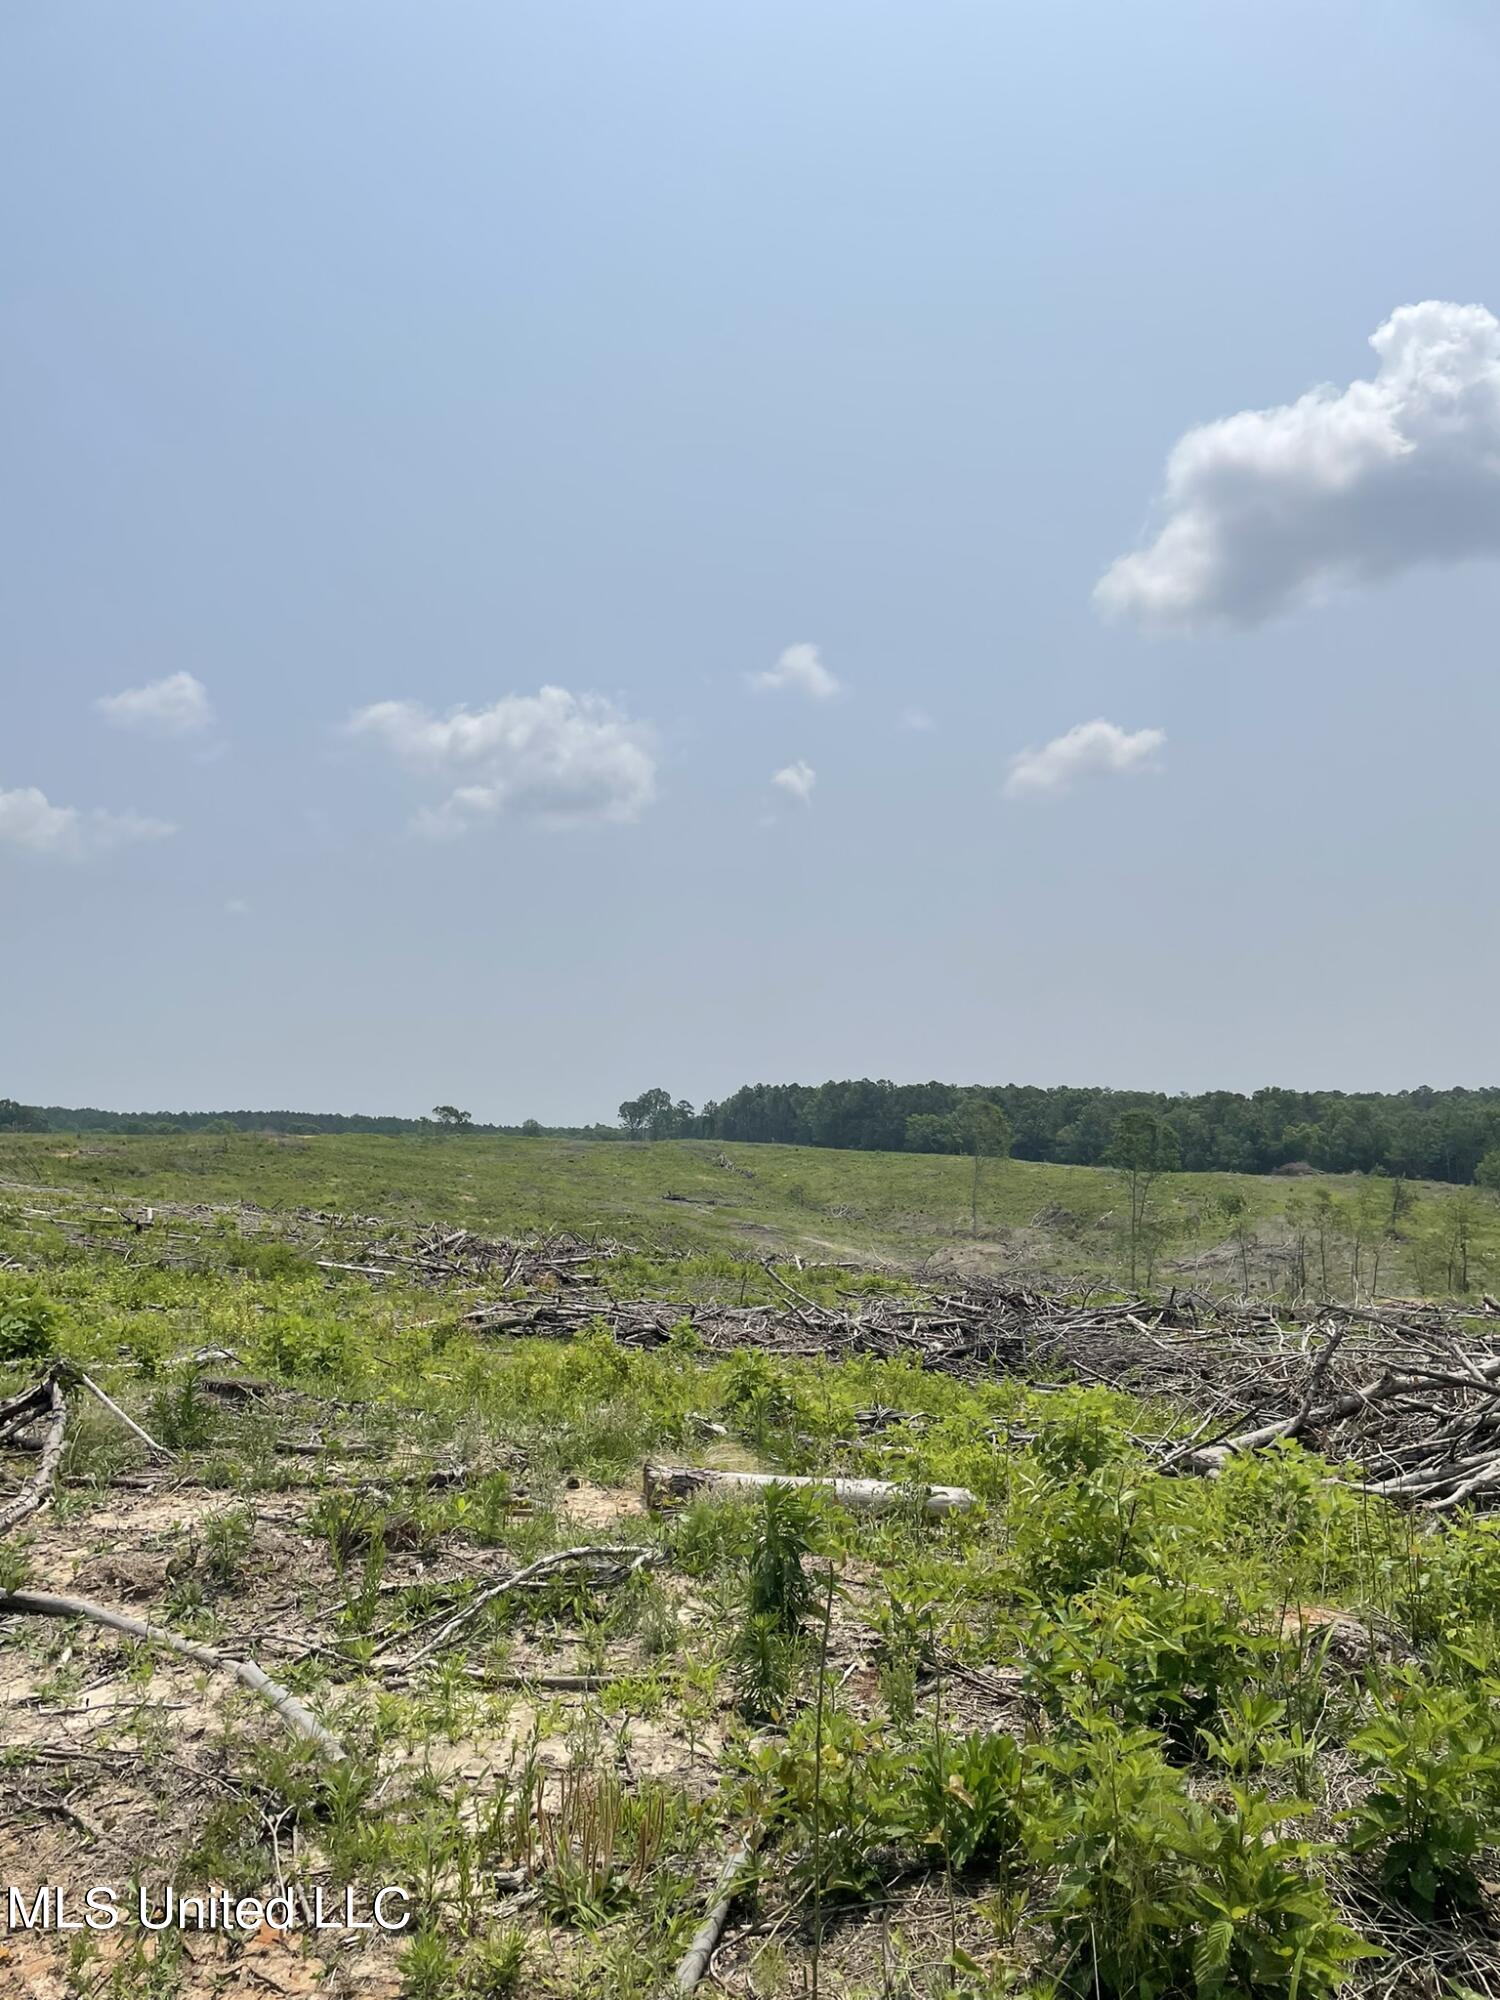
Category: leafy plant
[1434,1753]
[226,1539]
[1251,1736]
[757,1398]
[1163,1654]
[854,1786]
[493,1966]
[1262,1923]
[764,1664]
[181,1417]
[778,1586]
[974,1797]
[778,1599]
[592,1866]
[267,1259]
[1159,1894]
[27,1327]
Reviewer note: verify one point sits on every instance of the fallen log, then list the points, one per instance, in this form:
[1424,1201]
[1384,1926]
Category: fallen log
[301,1721]
[663,1484]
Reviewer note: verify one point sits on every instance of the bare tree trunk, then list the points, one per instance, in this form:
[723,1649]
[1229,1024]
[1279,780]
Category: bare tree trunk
[682,1482]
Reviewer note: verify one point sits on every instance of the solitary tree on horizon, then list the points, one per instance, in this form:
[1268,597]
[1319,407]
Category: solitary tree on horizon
[983,1131]
[1144,1147]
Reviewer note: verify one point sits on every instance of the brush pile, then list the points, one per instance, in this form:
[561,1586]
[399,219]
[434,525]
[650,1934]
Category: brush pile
[1410,1394]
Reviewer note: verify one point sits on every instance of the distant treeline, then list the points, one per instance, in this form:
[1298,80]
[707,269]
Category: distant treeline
[1423,1134]
[86,1118]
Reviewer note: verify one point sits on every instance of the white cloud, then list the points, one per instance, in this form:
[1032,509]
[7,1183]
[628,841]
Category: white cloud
[916,719]
[175,706]
[29,820]
[560,758]
[1272,508]
[236,907]
[796,780]
[1095,749]
[802,672]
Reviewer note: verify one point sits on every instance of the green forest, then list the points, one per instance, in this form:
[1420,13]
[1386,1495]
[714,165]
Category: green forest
[1422,1134]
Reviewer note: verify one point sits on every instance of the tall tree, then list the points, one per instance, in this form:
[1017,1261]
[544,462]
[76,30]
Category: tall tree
[983,1131]
[653,1113]
[1143,1148]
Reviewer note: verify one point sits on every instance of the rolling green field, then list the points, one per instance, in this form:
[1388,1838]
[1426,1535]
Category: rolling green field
[903,1211]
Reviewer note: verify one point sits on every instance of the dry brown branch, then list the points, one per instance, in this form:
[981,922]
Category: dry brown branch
[611,1564]
[38,1489]
[696,1959]
[301,1721]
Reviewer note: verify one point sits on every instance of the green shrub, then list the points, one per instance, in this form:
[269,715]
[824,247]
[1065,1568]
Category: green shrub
[840,1804]
[974,1799]
[1082,1506]
[181,1417]
[1160,1895]
[764,1666]
[1434,1753]
[778,1598]
[1080,1436]
[263,1258]
[296,1345]
[1448,1589]
[1167,1655]
[778,1585]
[709,1536]
[757,1399]
[27,1327]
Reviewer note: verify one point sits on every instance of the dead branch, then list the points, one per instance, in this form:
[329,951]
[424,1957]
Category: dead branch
[301,1721]
[610,1565]
[705,1939]
[157,1450]
[38,1489]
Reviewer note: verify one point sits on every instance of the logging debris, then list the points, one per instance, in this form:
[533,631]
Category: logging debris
[665,1484]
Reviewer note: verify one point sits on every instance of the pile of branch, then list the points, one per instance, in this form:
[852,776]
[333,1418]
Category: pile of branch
[444,1256]
[970,1327]
[1413,1404]
[1412,1394]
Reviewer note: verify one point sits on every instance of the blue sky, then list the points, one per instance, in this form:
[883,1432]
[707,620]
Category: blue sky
[376,367]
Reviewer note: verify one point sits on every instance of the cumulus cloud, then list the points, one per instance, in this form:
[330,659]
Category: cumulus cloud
[1097,749]
[175,706]
[915,719]
[796,780]
[801,671]
[556,757]
[30,821]
[1273,508]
